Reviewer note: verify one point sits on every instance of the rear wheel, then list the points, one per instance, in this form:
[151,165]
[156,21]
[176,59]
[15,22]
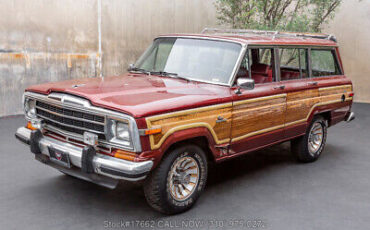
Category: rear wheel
[175,185]
[309,147]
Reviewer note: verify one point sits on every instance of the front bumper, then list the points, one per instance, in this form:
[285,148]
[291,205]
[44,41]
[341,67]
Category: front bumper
[105,170]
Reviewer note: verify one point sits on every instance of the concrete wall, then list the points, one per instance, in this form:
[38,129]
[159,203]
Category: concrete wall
[351,26]
[51,40]
[130,26]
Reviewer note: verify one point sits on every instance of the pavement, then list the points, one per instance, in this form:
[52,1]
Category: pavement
[262,190]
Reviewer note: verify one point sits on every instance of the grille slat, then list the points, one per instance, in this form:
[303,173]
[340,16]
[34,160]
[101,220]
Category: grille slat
[71,120]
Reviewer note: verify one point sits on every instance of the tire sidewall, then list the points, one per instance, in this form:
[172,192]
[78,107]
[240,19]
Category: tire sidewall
[168,204]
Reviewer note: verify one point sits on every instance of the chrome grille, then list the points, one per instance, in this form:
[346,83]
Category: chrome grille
[71,120]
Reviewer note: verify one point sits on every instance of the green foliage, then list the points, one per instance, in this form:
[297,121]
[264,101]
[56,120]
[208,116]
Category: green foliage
[283,15]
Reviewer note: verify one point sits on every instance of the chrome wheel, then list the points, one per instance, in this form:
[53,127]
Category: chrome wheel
[315,138]
[183,178]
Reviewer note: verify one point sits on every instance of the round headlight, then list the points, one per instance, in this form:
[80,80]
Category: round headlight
[30,108]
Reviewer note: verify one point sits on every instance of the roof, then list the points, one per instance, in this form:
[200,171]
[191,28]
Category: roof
[250,37]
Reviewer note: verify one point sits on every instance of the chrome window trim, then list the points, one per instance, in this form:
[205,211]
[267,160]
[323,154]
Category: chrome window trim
[88,108]
[237,66]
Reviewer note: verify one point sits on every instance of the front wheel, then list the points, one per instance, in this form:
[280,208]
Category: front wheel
[175,185]
[309,147]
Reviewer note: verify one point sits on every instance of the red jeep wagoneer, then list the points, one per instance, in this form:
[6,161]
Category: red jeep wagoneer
[190,99]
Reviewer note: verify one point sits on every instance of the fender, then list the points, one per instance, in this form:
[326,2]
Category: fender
[179,136]
[331,108]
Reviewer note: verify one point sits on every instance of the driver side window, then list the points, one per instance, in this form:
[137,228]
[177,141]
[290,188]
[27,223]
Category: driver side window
[258,64]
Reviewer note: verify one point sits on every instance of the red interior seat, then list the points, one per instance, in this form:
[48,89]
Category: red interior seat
[261,73]
[259,68]
[289,75]
[258,78]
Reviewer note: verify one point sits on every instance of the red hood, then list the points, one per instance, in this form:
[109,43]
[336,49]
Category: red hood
[140,95]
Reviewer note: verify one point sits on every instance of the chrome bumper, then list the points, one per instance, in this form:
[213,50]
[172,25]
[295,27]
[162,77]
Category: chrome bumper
[103,165]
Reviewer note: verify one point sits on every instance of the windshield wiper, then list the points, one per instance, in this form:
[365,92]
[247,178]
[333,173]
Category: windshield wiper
[135,69]
[164,73]
[160,73]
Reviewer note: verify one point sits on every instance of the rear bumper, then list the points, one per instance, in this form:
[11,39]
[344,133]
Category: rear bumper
[350,117]
[101,165]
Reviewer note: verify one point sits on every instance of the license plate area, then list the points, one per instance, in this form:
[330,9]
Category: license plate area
[59,157]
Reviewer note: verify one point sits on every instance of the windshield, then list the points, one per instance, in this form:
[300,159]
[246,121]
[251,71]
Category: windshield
[196,59]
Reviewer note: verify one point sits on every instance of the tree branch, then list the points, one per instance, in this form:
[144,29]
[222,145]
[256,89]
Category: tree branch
[330,10]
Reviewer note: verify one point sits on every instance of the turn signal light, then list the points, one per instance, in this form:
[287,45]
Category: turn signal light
[124,155]
[153,131]
[29,126]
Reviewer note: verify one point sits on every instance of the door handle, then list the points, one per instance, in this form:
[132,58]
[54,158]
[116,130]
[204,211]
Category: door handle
[312,83]
[280,87]
[220,119]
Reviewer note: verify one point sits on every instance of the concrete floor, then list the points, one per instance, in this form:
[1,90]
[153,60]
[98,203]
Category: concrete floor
[267,186]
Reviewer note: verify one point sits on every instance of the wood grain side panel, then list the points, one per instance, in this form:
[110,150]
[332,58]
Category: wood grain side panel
[334,93]
[203,117]
[251,117]
[299,105]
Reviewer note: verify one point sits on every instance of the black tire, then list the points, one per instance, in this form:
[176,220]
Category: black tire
[157,186]
[300,146]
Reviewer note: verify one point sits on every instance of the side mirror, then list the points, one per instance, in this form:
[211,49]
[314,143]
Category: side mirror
[244,83]
[131,67]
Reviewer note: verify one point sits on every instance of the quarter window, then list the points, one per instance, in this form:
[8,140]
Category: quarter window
[324,63]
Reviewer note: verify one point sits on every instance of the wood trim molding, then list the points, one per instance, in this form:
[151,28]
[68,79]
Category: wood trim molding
[189,111]
[242,102]
[335,87]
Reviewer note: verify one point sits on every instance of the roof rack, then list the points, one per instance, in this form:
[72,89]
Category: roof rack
[273,34]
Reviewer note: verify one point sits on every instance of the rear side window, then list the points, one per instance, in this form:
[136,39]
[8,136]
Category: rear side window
[324,63]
